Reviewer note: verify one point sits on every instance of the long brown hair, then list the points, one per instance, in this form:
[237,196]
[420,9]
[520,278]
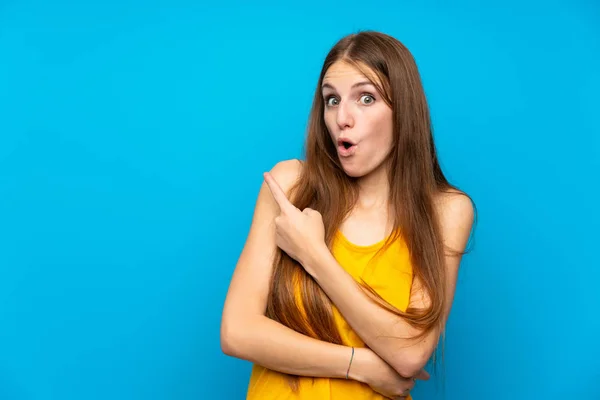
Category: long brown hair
[415,177]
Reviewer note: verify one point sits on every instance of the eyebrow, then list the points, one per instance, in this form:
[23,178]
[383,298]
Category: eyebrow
[357,84]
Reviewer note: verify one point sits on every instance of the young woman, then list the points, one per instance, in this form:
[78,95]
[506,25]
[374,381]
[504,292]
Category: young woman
[348,274]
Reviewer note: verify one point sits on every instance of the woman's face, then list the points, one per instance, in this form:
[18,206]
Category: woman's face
[358,119]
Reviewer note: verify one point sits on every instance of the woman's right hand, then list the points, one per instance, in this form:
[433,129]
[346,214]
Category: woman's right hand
[369,368]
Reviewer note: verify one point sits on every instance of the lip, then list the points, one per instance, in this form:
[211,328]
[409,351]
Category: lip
[344,139]
[346,152]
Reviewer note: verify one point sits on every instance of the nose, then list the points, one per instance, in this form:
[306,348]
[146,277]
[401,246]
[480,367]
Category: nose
[344,117]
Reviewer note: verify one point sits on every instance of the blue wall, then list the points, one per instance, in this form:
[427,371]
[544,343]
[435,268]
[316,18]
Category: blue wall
[133,137]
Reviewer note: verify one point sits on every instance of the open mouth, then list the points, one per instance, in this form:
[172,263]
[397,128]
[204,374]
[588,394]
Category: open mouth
[345,143]
[346,147]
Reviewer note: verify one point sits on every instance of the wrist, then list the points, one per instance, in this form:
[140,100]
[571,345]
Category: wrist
[315,257]
[361,365]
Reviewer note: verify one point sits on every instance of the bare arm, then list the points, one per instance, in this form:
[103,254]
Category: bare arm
[247,333]
[379,328]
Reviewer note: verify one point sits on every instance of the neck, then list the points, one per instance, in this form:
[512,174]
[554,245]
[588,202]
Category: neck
[373,189]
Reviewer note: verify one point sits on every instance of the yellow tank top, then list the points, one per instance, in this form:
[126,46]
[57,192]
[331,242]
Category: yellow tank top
[390,274]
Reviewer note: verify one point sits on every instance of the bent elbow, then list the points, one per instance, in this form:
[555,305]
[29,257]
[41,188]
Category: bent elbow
[410,365]
[229,339]
[227,346]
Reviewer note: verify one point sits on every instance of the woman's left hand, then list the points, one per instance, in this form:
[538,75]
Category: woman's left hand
[301,234]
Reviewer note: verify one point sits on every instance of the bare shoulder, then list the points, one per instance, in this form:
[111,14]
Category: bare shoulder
[249,287]
[456,216]
[287,172]
[454,204]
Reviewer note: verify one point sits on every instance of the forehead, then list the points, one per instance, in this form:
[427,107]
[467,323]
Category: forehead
[342,72]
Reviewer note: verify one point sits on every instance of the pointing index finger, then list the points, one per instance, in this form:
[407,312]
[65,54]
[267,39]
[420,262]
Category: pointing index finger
[277,192]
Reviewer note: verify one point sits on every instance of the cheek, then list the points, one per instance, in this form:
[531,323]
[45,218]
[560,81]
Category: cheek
[330,123]
[382,129]
[387,134]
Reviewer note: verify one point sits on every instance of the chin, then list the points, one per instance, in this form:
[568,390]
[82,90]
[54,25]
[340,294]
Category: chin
[358,170]
[353,171]
[354,174]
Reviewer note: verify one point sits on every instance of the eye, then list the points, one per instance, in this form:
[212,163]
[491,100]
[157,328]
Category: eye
[367,99]
[331,101]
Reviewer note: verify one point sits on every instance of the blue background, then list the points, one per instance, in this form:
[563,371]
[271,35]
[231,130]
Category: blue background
[133,137]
